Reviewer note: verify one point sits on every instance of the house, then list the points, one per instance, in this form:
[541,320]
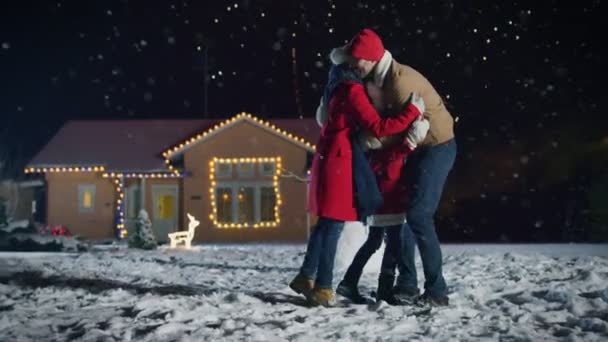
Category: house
[20,200]
[244,178]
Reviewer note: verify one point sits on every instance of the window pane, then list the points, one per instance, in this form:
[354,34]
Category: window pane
[87,199]
[268,201]
[268,169]
[245,170]
[246,205]
[223,203]
[166,209]
[223,170]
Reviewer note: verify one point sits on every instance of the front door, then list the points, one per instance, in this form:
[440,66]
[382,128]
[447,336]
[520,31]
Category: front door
[164,218]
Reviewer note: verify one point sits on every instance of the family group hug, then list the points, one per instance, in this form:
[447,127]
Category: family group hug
[385,151]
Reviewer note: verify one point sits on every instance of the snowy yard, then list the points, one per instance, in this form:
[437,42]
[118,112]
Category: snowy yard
[498,292]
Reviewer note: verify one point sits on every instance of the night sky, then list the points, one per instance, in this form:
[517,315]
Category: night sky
[509,71]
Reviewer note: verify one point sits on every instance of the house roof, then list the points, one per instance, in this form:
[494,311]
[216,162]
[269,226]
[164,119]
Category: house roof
[135,145]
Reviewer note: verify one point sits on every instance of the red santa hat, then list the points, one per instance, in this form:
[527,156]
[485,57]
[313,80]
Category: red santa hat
[366,45]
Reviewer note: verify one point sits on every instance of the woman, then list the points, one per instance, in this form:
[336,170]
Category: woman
[331,188]
[387,163]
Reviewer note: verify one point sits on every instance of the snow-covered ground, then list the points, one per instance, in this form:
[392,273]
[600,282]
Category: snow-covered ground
[498,292]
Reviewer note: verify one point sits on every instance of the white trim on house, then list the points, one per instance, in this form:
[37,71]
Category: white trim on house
[142,193]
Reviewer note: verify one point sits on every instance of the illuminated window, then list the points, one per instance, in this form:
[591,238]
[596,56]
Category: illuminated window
[253,202]
[241,202]
[246,199]
[223,170]
[268,200]
[166,208]
[267,169]
[223,203]
[245,170]
[86,198]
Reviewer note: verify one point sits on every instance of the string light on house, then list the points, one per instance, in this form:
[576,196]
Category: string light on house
[241,116]
[213,164]
[154,175]
[60,169]
[121,229]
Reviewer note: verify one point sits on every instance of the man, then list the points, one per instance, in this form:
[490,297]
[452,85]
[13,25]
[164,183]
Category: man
[426,169]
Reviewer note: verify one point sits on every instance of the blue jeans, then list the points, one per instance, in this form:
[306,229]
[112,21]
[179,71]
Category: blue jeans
[392,252]
[427,170]
[321,252]
[369,247]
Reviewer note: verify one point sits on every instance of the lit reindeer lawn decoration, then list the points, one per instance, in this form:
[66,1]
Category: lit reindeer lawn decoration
[185,236]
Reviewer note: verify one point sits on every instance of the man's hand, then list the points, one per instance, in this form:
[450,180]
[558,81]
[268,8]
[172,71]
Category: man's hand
[417,132]
[418,102]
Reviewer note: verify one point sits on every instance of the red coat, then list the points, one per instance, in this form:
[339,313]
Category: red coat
[331,186]
[388,166]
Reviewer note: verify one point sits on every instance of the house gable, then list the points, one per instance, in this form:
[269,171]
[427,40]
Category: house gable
[221,127]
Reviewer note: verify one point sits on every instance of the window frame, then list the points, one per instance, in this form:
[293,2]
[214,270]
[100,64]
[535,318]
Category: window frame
[257,199]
